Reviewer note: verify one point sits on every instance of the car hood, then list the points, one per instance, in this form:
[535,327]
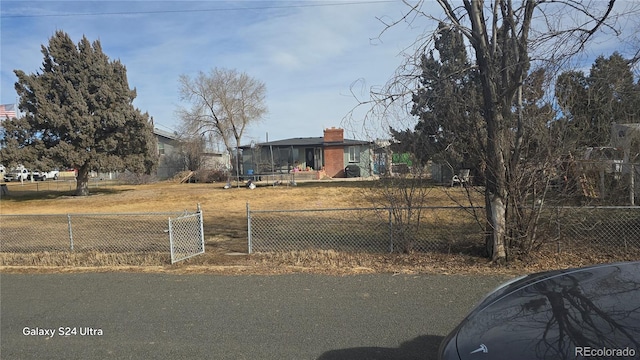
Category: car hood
[553,315]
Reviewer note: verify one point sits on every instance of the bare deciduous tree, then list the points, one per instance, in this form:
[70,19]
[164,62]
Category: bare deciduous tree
[223,102]
[503,38]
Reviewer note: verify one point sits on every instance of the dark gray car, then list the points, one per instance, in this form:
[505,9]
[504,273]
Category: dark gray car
[584,313]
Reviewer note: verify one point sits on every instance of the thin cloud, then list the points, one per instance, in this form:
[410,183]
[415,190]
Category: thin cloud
[307,56]
[307,53]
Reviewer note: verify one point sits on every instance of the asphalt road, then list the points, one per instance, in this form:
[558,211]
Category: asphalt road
[300,316]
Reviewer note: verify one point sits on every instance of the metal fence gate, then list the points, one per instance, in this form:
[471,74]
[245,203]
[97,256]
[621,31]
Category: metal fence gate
[186,236]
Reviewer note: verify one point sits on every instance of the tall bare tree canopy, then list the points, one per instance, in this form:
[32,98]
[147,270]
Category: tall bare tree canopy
[79,114]
[502,39]
[223,102]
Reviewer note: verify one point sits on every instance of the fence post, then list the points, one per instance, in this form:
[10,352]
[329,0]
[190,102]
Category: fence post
[171,247]
[249,228]
[390,231]
[632,186]
[70,232]
[558,227]
[201,221]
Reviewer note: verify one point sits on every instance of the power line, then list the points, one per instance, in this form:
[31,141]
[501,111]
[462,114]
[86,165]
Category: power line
[200,10]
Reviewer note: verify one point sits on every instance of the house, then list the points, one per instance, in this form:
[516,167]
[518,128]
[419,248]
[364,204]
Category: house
[330,155]
[171,156]
[170,159]
[611,172]
[627,138]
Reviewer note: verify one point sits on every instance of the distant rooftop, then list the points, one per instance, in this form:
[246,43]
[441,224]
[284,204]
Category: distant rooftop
[307,141]
[165,134]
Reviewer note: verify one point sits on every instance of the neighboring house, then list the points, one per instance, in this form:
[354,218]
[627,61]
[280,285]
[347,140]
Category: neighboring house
[627,138]
[171,156]
[216,161]
[328,155]
[170,160]
[612,171]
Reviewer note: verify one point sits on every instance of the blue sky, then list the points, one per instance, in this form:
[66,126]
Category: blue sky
[307,53]
[310,54]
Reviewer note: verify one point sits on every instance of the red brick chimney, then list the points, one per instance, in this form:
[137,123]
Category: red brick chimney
[334,152]
[333,135]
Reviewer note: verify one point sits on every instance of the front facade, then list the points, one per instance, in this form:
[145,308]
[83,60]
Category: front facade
[328,156]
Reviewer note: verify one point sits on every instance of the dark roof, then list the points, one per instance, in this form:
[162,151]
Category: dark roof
[308,141]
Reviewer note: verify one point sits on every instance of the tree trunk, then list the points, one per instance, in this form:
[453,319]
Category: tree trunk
[496,189]
[498,235]
[495,176]
[238,161]
[489,62]
[82,181]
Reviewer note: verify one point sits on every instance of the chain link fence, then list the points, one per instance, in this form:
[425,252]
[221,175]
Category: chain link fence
[186,236]
[109,233]
[26,187]
[364,229]
[604,229]
[608,229]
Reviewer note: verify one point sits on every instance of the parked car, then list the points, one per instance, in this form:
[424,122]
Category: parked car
[591,312]
[19,174]
[44,175]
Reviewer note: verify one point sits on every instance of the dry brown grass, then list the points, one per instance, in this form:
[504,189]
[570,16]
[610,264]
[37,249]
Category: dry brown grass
[321,262]
[226,232]
[224,214]
[224,210]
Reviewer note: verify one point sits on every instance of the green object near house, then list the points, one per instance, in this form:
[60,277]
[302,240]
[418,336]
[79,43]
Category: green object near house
[402,158]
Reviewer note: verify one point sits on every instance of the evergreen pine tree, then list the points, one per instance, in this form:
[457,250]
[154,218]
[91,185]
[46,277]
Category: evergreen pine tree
[79,114]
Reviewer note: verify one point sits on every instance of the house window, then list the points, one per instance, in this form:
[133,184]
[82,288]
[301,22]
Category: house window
[354,154]
[160,148]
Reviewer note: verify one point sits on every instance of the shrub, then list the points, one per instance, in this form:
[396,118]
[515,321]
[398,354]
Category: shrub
[210,176]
